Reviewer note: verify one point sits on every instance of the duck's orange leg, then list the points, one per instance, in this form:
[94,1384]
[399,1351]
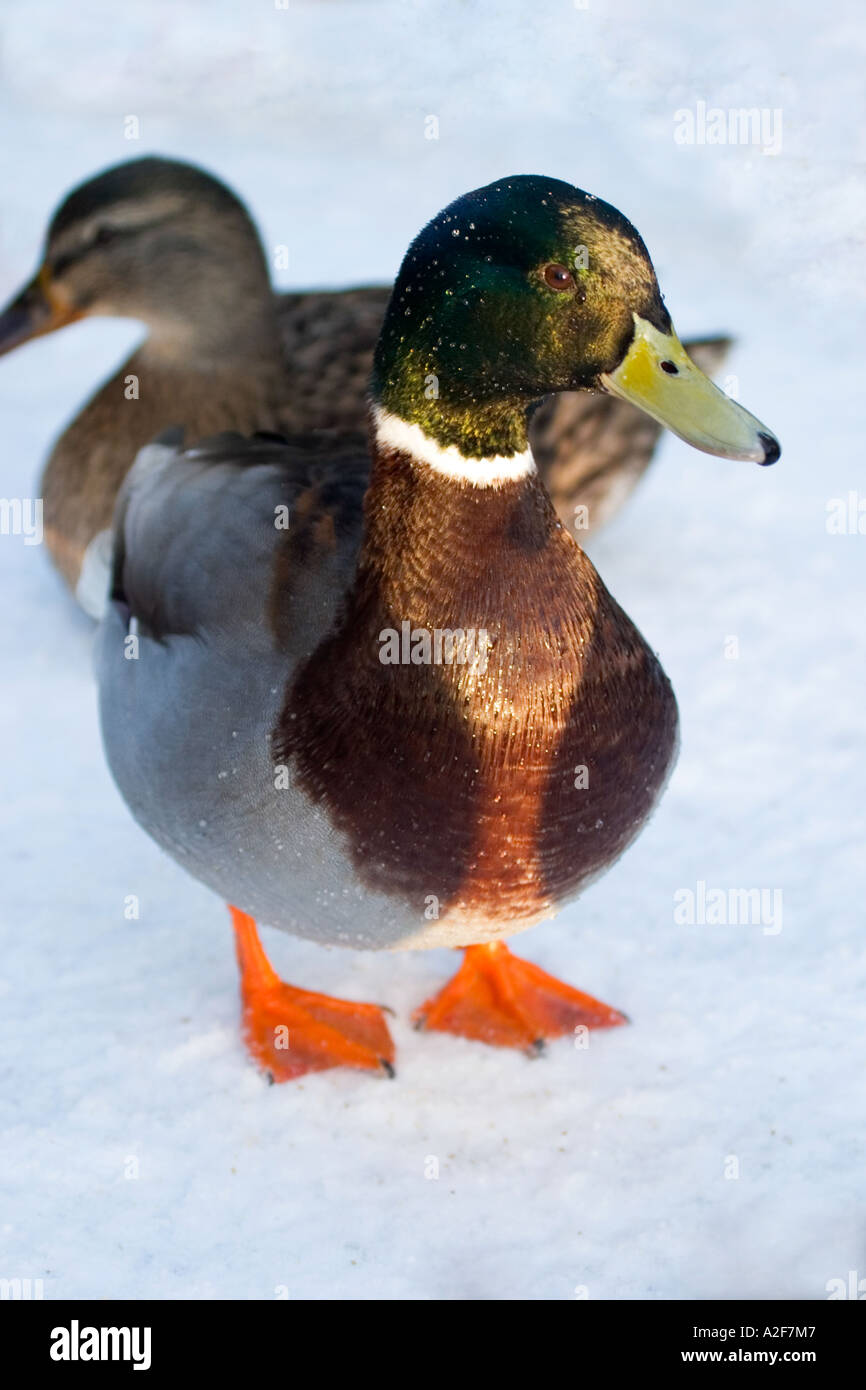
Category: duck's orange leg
[498,998]
[289,1031]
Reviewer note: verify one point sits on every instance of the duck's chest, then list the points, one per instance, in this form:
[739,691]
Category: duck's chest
[487,754]
[89,462]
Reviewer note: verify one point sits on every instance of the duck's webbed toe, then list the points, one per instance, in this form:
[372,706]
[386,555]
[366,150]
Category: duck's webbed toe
[497,998]
[289,1032]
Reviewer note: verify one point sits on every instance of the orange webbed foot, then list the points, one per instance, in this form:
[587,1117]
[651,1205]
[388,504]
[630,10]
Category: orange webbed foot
[289,1032]
[497,998]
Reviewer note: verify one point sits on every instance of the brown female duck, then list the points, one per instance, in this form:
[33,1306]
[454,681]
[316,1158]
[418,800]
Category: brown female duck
[164,242]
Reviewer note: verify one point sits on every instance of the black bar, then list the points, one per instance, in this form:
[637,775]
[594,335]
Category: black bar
[258,1337]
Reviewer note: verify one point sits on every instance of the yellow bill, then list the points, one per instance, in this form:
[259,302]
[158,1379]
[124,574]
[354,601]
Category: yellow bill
[659,377]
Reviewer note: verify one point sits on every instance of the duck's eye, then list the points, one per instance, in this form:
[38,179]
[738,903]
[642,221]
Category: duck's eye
[670,367]
[104,234]
[558,277]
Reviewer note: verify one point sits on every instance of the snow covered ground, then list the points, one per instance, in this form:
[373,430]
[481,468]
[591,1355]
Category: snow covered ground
[715,1147]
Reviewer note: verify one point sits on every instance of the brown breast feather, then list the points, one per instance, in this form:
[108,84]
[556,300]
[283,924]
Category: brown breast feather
[460,783]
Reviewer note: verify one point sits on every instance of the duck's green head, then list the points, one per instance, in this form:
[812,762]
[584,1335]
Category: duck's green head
[529,287]
[153,239]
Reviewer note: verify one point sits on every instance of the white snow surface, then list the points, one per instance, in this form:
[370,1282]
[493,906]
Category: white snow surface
[597,1172]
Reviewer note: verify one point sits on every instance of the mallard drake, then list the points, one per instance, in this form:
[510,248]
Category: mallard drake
[164,242]
[385,701]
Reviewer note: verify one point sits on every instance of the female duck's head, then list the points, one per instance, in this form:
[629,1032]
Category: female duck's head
[152,239]
[525,288]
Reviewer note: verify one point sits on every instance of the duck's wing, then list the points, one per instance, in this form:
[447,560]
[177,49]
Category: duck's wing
[329,338]
[213,605]
[592,450]
[219,537]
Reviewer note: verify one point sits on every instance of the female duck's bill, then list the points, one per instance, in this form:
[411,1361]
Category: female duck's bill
[41,307]
[659,377]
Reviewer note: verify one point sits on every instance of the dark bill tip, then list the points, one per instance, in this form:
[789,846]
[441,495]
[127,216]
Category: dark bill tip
[27,316]
[16,326]
[772,448]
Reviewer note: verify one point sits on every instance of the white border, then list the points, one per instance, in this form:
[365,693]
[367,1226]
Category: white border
[407,438]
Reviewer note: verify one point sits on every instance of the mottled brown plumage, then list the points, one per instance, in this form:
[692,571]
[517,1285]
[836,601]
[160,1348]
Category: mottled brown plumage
[88,464]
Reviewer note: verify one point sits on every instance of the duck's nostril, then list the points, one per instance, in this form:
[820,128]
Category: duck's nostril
[772,448]
[670,367]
